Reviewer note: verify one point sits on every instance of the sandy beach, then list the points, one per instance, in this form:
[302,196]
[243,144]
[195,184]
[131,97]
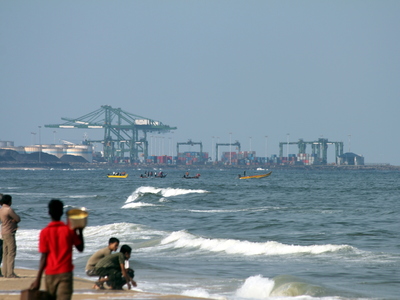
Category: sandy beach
[10,289]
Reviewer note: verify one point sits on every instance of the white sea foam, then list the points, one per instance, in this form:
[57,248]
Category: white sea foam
[82,196]
[256,287]
[164,192]
[233,210]
[198,293]
[182,239]
[137,204]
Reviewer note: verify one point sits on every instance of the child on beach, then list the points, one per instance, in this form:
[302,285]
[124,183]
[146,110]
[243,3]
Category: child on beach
[56,243]
[113,266]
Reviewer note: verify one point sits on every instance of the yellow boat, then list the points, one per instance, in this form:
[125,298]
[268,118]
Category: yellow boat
[255,176]
[117,176]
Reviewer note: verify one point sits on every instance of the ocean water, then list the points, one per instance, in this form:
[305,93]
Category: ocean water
[293,235]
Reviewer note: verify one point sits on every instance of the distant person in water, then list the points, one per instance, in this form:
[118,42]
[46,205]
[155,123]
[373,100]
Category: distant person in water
[56,242]
[9,226]
[113,266]
[113,244]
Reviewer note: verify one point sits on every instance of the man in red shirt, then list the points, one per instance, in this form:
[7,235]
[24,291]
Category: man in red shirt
[56,243]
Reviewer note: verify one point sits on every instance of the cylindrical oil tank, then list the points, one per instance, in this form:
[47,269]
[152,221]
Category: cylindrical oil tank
[86,151]
[10,144]
[31,149]
[51,149]
[3,144]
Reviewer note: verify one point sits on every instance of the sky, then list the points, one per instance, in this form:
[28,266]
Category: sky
[257,72]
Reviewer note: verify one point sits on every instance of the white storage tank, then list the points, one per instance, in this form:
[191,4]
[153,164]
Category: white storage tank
[53,150]
[32,149]
[86,151]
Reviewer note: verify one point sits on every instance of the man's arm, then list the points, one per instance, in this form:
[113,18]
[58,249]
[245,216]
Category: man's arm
[127,278]
[81,246]
[14,216]
[125,274]
[42,265]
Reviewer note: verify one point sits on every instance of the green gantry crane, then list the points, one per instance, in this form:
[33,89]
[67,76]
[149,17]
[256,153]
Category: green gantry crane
[190,143]
[236,143]
[121,131]
[319,149]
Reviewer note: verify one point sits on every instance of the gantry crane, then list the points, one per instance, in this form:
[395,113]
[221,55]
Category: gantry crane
[123,132]
[319,149]
[190,143]
[236,143]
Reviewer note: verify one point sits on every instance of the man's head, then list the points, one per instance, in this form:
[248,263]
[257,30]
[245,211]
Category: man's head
[113,244]
[6,199]
[126,250]
[56,209]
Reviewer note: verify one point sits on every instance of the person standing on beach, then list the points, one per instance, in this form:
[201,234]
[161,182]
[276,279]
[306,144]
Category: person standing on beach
[56,242]
[9,220]
[113,266]
[113,244]
[1,239]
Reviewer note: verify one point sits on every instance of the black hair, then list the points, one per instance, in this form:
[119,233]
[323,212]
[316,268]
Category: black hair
[56,209]
[6,199]
[125,249]
[113,240]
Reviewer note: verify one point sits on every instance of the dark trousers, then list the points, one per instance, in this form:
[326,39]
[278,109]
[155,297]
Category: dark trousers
[1,251]
[115,279]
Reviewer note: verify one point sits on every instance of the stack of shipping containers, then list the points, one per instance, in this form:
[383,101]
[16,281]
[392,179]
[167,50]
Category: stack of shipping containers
[192,158]
[164,159]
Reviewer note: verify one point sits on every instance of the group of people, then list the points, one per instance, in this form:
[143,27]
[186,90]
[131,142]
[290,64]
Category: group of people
[148,174]
[112,269]
[187,175]
[118,173]
[56,243]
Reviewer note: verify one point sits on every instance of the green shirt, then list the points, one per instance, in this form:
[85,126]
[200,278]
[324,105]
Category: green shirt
[111,261]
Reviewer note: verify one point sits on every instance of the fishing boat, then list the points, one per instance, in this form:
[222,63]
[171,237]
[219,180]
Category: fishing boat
[120,175]
[155,176]
[161,175]
[255,176]
[186,176]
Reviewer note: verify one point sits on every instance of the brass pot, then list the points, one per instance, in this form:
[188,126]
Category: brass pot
[77,218]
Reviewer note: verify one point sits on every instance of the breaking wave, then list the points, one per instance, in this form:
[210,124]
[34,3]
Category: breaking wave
[182,239]
[163,192]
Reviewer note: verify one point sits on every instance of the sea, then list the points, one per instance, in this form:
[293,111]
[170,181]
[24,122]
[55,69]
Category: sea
[297,234]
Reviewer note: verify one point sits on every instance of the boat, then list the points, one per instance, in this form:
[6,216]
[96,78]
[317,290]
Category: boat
[161,175]
[255,176]
[186,176]
[118,175]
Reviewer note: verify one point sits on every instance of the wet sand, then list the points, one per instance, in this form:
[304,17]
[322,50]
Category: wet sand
[10,289]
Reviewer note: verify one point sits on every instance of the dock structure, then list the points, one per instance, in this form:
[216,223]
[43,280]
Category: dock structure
[123,132]
[217,145]
[319,149]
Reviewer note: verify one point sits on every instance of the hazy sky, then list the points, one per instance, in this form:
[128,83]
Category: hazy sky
[309,69]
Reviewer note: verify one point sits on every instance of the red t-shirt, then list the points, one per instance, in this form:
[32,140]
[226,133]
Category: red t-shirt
[57,240]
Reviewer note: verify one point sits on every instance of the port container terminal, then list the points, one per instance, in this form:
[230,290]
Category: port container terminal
[126,140]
